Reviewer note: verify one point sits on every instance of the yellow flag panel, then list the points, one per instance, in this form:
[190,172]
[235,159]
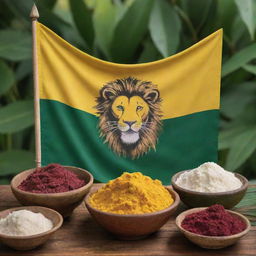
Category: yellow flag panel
[188,82]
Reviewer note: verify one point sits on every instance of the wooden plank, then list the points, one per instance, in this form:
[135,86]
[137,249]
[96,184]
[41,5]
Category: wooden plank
[81,236]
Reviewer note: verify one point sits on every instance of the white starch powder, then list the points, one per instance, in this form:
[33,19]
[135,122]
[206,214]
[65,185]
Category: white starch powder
[209,177]
[24,223]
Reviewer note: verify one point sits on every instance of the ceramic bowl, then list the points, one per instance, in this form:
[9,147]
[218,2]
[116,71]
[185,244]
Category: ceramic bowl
[30,242]
[64,202]
[200,199]
[211,242]
[133,226]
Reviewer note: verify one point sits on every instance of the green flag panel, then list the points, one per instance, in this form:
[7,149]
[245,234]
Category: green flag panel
[71,137]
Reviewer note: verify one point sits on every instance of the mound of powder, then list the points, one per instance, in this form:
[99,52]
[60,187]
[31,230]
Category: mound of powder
[24,223]
[52,178]
[208,177]
[132,193]
[213,221]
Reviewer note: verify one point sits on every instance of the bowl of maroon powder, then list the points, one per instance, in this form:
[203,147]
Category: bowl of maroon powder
[61,188]
[213,227]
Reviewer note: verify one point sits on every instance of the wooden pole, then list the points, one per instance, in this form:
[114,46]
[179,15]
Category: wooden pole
[34,15]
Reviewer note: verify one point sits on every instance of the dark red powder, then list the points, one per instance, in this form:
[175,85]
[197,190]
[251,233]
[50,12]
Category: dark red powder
[213,221]
[52,178]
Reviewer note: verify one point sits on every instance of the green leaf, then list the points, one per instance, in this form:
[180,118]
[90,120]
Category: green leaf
[15,45]
[243,93]
[165,28]
[62,10]
[104,20]
[24,69]
[48,17]
[82,16]
[121,8]
[50,3]
[247,116]
[246,10]
[6,78]
[149,53]
[241,149]
[131,28]
[210,23]
[239,59]
[22,8]
[240,37]
[15,161]
[16,116]
[250,68]
[197,10]
[90,3]
[227,136]
[247,207]
[226,15]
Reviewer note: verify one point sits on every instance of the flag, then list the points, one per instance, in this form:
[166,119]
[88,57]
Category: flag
[158,118]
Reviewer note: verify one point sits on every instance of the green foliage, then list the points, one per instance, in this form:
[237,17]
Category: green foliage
[250,68]
[83,19]
[164,27]
[131,31]
[15,44]
[16,116]
[247,205]
[104,20]
[241,147]
[247,12]
[15,161]
[239,59]
[6,78]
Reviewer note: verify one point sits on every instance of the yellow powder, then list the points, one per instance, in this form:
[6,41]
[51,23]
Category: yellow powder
[131,193]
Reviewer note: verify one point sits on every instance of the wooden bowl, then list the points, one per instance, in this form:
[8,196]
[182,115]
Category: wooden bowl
[133,226]
[211,242]
[200,199]
[30,242]
[64,202]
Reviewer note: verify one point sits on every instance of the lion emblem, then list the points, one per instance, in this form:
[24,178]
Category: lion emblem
[129,116]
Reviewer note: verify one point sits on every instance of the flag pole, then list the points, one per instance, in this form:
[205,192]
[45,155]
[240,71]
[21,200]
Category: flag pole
[34,15]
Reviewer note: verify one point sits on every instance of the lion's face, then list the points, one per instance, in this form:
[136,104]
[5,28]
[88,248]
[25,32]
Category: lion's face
[129,114]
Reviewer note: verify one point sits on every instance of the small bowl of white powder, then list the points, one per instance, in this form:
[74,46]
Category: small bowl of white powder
[209,184]
[24,228]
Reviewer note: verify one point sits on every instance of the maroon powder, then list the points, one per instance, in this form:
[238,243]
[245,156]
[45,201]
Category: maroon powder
[52,178]
[213,221]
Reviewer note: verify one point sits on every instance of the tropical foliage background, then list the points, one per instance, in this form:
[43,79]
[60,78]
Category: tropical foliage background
[131,31]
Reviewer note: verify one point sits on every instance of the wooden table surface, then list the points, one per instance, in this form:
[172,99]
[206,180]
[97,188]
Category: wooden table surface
[81,235]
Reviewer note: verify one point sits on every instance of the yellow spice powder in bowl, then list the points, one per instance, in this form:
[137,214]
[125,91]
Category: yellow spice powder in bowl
[131,193]
[132,206]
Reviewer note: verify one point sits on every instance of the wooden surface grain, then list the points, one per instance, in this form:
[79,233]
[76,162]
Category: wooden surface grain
[80,235]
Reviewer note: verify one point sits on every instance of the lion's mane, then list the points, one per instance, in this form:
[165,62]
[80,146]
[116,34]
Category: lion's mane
[129,87]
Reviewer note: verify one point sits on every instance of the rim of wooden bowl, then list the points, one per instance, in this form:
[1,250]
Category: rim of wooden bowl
[182,215]
[60,194]
[173,205]
[30,208]
[230,192]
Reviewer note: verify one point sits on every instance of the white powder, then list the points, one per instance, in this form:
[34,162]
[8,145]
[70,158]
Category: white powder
[24,223]
[209,177]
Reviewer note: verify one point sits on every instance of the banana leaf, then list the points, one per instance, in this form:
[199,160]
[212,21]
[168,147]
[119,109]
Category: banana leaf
[247,206]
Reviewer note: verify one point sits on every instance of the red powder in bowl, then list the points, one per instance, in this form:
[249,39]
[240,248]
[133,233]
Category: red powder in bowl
[213,221]
[52,178]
